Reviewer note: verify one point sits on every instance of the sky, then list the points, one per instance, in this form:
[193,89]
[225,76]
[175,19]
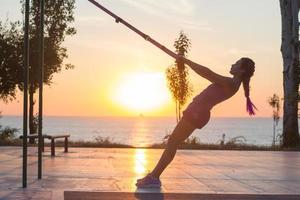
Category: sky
[117,73]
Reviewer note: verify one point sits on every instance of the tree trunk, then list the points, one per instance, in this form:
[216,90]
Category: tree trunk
[179,111]
[177,116]
[273,142]
[290,55]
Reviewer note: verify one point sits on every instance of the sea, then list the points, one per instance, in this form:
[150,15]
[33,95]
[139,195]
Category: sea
[145,131]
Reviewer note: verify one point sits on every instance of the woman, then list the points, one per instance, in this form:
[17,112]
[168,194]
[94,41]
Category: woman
[197,114]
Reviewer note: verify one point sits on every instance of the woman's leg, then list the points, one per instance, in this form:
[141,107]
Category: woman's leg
[181,132]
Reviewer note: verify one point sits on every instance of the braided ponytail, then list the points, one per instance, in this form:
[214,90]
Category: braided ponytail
[248,65]
[249,105]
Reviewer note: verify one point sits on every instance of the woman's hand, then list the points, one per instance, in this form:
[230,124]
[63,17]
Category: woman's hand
[184,60]
[179,57]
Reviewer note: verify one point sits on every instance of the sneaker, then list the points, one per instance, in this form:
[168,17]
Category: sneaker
[148,182]
[140,179]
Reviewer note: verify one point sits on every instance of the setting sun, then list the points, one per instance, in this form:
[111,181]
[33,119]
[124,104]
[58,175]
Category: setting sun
[142,91]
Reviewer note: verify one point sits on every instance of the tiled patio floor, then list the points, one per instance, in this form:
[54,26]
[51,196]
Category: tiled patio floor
[115,170]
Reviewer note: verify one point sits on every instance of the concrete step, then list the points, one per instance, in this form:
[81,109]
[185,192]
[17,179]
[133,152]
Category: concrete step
[81,195]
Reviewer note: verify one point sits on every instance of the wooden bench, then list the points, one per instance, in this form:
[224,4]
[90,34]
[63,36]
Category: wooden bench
[52,138]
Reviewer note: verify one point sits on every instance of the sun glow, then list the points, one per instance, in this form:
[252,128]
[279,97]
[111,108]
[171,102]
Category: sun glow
[142,91]
[140,161]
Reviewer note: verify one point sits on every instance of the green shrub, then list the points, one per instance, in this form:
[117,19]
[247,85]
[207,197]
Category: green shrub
[7,133]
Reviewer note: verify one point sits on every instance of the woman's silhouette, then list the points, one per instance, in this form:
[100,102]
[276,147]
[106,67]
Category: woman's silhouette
[197,114]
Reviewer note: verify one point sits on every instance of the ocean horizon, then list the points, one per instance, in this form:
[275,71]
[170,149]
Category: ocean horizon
[147,130]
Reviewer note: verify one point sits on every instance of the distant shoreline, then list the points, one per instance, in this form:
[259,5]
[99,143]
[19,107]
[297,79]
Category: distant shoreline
[184,146]
[66,116]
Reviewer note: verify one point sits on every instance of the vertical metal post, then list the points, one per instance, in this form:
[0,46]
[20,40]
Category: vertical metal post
[25,101]
[41,71]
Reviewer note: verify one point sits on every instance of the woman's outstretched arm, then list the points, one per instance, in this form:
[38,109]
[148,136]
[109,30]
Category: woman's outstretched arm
[204,71]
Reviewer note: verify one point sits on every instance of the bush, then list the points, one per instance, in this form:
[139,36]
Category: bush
[103,140]
[7,133]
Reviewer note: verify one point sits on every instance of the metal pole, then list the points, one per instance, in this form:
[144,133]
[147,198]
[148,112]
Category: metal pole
[25,101]
[41,71]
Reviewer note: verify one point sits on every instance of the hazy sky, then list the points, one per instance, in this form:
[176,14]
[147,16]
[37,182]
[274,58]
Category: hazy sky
[108,56]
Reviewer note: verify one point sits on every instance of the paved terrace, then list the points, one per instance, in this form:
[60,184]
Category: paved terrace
[115,170]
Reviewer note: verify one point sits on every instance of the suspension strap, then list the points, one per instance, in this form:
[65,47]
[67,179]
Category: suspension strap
[143,35]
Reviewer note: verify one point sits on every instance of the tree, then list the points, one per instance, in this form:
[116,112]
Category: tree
[290,54]
[10,60]
[58,17]
[274,102]
[177,75]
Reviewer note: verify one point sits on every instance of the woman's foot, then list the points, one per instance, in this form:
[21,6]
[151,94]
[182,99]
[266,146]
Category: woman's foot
[148,182]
